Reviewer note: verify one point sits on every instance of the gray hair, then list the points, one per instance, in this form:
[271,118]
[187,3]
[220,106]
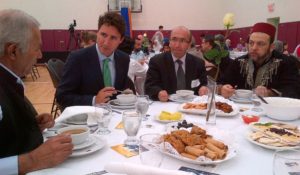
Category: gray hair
[278,46]
[16,27]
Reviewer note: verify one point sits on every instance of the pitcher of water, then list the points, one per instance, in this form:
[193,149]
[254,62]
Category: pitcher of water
[211,102]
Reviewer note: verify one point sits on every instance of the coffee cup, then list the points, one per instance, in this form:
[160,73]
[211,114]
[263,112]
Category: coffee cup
[79,134]
[243,93]
[126,98]
[184,93]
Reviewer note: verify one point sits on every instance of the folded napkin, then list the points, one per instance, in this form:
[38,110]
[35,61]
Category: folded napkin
[74,110]
[137,169]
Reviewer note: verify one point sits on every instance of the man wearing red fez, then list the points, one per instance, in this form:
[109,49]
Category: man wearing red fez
[263,70]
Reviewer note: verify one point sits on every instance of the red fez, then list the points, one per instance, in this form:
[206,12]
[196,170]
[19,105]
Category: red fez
[266,28]
[298,52]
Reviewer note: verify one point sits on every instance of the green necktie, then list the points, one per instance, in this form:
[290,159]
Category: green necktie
[106,73]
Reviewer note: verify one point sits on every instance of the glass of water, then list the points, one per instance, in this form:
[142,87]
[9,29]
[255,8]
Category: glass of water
[132,121]
[256,102]
[103,113]
[286,162]
[150,149]
[142,105]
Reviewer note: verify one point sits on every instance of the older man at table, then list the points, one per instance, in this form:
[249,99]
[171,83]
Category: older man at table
[21,143]
[92,75]
[268,72]
[175,70]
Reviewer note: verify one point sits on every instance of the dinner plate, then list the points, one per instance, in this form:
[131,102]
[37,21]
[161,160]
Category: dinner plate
[99,144]
[270,146]
[89,141]
[156,117]
[240,100]
[115,105]
[176,98]
[203,99]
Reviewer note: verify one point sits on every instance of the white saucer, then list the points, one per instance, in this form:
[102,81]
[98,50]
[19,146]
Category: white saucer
[176,98]
[99,144]
[123,104]
[115,105]
[240,100]
[89,141]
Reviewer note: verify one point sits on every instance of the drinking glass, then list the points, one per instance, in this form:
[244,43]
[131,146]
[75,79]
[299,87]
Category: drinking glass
[103,113]
[149,149]
[256,103]
[286,162]
[132,122]
[211,102]
[142,105]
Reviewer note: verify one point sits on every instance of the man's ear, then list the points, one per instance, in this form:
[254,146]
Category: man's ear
[272,47]
[11,50]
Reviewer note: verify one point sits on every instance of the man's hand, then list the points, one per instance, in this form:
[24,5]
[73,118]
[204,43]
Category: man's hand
[203,90]
[44,121]
[51,153]
[263,91]
[227,90]
[163,96]
[104,94]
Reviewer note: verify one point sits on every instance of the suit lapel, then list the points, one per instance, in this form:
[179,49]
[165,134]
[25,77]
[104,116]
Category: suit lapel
[95,64]
[119,71]
[188,71]
[172,75]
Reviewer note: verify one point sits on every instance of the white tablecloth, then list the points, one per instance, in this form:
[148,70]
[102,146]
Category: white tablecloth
[250,159]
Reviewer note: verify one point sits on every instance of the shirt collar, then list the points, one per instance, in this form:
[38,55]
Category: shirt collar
[102,57]
[19,81]
[182,58]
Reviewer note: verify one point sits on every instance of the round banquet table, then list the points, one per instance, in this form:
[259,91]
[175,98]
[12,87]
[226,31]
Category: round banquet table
[250,158]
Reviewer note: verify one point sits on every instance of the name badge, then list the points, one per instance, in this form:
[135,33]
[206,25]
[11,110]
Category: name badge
[1,116]
[195,83]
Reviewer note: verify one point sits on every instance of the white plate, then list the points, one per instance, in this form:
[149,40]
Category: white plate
[77,119]
[99,144]
[203,99]
[222,135]
[175,98]
[269,146]
[240,100]
[156,117]
[89,141]
[117,106]
[116,101]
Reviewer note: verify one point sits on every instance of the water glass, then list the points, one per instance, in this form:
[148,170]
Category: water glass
[149,149]
[286,162]
[132,122]
[256,103]
[211,102]
[142,105]
[103,113]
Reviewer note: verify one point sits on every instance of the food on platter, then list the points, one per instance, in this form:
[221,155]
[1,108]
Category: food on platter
[195,143]
[275,134]
[250,118]
[226,108]
[183,124]
[164,115]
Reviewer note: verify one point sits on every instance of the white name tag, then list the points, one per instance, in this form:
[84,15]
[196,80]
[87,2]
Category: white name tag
[1,116]
[195,83]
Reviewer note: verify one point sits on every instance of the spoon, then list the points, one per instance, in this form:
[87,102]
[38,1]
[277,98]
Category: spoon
[126,91]
[262,99]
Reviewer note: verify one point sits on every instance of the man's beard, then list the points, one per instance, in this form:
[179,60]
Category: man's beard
[260,59]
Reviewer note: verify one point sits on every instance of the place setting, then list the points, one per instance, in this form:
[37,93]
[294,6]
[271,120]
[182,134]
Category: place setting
[242,96]
[182,96]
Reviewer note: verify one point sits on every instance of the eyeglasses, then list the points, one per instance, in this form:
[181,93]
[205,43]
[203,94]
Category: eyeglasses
[258,44]
[179,40]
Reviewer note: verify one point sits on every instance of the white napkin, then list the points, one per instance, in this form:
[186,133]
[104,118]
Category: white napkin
[73,110]
[137,169]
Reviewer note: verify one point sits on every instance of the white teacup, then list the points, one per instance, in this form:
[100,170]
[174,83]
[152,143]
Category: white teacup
[126,98]
[184,93]
[79,134]
[243,93]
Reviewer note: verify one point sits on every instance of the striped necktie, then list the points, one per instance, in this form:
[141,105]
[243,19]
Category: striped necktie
[180,76]
[106,73]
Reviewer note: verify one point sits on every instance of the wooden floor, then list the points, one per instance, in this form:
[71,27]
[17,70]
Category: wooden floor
[40,91]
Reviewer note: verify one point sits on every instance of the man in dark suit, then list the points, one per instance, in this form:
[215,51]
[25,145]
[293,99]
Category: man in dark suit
[92,75]
[171,71]
[21,143]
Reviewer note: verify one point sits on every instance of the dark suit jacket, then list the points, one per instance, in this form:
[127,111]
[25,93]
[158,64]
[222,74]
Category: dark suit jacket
[161,74]
[82,77]
[19,132]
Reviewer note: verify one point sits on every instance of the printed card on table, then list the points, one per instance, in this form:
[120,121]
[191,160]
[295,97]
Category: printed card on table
[127,151]
[120,126]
